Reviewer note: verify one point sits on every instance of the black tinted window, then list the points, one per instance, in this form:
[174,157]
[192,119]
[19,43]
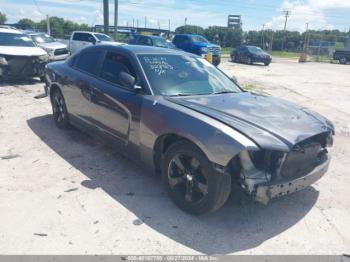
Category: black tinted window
[87,61]
[113,65]
[85,37]
[143,40]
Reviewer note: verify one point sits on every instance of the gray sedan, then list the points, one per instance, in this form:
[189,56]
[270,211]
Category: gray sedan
[187,121]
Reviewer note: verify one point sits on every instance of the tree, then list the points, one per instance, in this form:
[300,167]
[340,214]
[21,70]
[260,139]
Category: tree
[3,18]
[27,22]
[190,29]
[224,36]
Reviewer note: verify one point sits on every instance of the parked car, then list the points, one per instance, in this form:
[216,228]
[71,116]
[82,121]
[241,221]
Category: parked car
[150,40]
[185,119]
[342,55]
[81,39]
[250,55]
[54,48]
[199,45]
[19,56]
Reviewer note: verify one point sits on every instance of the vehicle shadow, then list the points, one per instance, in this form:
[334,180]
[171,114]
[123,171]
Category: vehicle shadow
[19,82]
[239,225]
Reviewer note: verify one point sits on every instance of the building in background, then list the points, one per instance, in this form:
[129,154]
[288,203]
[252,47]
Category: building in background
[234,21]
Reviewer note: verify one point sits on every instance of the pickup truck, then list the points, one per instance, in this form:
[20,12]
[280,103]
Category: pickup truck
[199,45]
[342,55]
[54,48]
[81,39]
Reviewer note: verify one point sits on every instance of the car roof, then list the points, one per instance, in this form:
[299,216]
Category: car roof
[10,31]
[139,49]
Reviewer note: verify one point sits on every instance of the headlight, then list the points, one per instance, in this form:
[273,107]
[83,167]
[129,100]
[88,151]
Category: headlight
[44,58]
[3,61]
[204,49]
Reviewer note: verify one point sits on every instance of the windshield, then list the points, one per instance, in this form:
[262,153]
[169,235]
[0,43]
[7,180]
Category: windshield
[9,39]
[159,42]
[103,38]
[43,38]
[256,50]
[198,38]
[175,75]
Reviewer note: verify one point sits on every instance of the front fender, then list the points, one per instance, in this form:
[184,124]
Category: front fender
[219,142]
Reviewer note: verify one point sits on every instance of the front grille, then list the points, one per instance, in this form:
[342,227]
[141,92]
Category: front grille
[62,51]
[214,49]
[302,159]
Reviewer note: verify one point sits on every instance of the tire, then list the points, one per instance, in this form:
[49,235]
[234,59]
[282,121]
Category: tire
[249,61]
[267,63]
[43,79]
[343,60]
[59,110]
[191,180]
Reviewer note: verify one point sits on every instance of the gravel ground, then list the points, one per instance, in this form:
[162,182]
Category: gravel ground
[62,192]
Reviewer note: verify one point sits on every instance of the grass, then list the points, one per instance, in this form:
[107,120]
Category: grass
[248,87]
[284,54]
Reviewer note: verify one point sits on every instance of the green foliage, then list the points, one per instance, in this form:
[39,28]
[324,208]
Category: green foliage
[190,29]
[3,18]
[224,36]
[60,28]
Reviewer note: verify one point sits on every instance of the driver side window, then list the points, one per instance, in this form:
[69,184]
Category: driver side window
[113,65]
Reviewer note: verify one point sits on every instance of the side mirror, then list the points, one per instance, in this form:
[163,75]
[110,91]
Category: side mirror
[234,79]
[128,81]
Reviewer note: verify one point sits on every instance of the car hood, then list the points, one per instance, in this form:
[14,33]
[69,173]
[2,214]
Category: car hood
[53,45]
[270,122]
[21,51]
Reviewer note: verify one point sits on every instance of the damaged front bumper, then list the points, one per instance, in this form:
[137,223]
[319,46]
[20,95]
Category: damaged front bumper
[18,67]
[266,192]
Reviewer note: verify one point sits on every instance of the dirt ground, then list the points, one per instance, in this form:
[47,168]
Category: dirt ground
[62,192]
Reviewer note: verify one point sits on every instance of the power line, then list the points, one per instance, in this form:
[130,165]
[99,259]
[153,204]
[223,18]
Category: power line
[37,7]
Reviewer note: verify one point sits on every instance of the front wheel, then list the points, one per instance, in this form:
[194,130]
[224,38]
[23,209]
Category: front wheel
[343,60]
[59,110]
[191,180]
[267,63]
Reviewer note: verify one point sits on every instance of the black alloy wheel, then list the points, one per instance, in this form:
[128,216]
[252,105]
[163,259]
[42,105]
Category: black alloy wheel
[59,109]
[186,178]
[191,180]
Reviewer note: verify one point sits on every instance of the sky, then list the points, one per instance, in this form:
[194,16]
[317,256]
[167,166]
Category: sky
[320,14]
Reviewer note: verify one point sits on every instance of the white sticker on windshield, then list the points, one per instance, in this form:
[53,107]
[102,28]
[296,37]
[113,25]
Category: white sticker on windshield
[158,64]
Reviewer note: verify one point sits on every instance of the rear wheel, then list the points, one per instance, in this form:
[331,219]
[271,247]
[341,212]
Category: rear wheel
[343,60]
[59,110]
[191,180]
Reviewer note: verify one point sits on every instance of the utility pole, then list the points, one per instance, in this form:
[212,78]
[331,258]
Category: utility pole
[106,16]
[262,37]
[306,39]
[286,15]
[271,44]
[158,25]
[133,22]
[185,21]
[115,19]
[169,25]
[48,25]
[145,21]
[137,23]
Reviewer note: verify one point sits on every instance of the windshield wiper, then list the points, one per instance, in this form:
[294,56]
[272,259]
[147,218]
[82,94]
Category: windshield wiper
[187,94]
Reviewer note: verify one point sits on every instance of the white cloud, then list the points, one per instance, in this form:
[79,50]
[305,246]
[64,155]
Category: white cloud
[302,12]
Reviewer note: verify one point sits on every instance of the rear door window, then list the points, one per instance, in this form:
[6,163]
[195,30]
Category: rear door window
[87,62]
[83,37]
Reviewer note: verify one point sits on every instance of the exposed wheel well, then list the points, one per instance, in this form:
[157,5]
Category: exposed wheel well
[161,146]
